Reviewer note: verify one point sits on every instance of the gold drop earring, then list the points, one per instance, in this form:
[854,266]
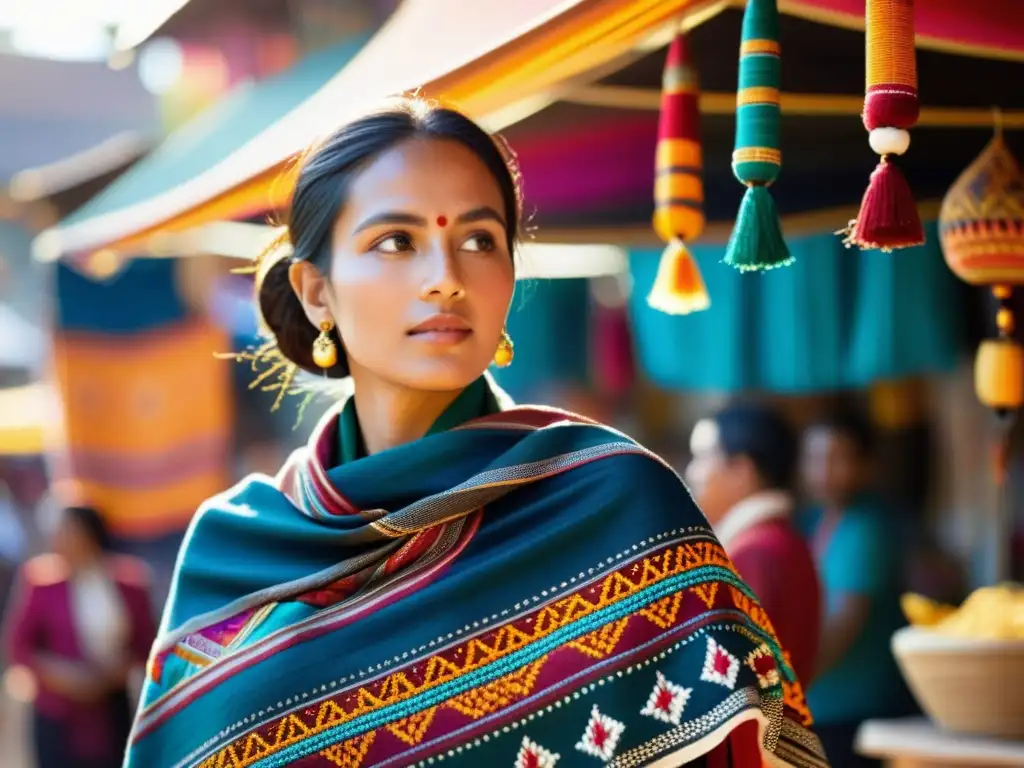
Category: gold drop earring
[505,352]
[325,351]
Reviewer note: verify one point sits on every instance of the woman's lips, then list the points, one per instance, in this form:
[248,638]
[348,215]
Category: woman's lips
[442,337]
[442,330]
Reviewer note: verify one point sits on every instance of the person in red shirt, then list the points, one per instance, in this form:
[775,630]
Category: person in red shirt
[744,460]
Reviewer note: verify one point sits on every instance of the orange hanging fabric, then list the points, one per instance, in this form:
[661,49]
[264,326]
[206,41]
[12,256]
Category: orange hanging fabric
[678,189]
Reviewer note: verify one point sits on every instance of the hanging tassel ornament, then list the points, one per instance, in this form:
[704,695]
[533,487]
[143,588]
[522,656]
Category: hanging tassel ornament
[999,366]
[756,241]
[678,190]
[888,217]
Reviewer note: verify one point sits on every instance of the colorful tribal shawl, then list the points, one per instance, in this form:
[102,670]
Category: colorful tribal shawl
[525,588]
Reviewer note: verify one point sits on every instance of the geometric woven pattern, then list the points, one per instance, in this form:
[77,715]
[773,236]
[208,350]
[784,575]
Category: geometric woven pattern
[481,651]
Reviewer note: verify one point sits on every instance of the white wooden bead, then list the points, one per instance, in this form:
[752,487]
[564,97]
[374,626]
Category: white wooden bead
[889,141]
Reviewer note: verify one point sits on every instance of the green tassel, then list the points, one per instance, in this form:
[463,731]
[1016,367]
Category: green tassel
[756,241]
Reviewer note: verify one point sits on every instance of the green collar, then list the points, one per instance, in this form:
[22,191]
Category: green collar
[472,402]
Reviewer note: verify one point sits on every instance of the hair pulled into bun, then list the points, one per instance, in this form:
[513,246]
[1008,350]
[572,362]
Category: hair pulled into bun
[321,190]
[282,315]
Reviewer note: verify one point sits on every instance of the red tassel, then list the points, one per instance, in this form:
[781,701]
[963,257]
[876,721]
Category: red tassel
[888,217]
[679,287]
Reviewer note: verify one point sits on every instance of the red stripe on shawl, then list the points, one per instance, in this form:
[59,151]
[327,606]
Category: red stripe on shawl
[413,549]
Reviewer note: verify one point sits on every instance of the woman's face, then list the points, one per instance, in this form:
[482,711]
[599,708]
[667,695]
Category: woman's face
[421,275]
[832,468]
[72,541]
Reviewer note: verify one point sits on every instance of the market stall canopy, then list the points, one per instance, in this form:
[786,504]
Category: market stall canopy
[588,158]
[484,56]
[215,134]
[833,319]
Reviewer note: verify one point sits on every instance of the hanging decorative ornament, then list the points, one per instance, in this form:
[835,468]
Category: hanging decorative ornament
[981,227]
[888,217]
[756,241]
[678,190]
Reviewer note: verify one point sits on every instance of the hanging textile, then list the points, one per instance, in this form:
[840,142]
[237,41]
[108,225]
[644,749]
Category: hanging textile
[828,322]
[147,407]
[550,325]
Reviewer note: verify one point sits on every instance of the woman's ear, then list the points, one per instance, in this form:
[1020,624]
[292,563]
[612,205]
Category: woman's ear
[312,289]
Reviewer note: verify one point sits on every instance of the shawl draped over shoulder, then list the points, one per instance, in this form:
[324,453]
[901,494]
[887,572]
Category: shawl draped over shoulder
[521,587]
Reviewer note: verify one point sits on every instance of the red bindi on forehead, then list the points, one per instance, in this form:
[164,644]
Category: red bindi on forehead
[442,221]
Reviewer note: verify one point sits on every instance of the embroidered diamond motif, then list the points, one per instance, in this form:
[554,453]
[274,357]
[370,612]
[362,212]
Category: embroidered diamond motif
[720,666]
[667,701]
[601,737]
[532,755]
[761,661]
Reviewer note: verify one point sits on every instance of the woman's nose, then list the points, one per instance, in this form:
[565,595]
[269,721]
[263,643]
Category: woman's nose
[445,282]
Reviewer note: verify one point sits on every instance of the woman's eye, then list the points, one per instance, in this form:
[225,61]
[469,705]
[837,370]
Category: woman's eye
[397,243]
[479,242]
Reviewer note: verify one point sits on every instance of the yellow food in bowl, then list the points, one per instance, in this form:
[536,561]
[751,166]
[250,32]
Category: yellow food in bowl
[989,613]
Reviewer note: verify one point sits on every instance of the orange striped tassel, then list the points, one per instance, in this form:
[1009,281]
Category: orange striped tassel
[678,188]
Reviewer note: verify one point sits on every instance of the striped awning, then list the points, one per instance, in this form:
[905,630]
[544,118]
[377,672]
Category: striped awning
[485,57]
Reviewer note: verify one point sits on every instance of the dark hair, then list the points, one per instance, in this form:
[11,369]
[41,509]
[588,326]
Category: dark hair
[851,424]
[92,523]
[759,432]
[320,194]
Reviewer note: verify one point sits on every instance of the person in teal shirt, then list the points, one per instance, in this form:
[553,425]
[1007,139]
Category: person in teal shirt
[856,547]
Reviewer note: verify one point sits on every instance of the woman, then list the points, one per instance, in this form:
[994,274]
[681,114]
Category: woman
[857,551]
[442,576]
[81,622]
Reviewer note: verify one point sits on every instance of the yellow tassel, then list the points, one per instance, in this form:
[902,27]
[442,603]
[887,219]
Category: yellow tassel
[999,374]
[679,288]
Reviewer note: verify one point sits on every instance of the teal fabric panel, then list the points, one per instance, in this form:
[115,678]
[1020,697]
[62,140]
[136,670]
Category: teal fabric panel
[803,317]
[220,130]
[836,318]
[550,326]
[909,317]
[705,350]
